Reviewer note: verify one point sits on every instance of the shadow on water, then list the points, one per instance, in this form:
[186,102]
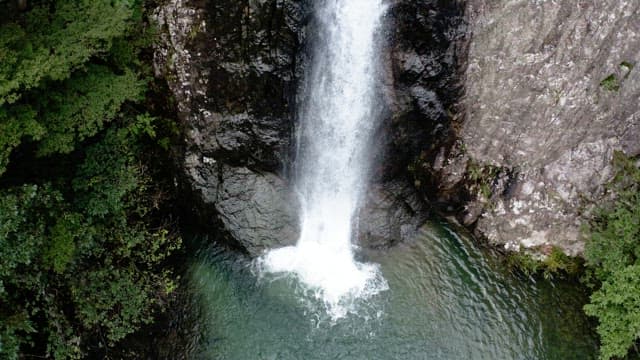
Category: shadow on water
[447,300]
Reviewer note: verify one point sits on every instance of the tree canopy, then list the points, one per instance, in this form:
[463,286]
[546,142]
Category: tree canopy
[613,259]
[82,258]
[62,73]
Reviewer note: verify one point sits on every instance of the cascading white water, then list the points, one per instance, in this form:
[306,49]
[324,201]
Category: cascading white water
[337,121]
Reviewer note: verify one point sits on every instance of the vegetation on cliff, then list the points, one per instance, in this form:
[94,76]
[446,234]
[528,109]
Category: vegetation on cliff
[83,247]
[613,264]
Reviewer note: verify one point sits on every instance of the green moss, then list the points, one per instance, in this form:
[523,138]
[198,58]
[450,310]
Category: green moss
[559,262]
[481,177]
[194,31]
[626,66]
[610,83]
[555,263]
[523,262]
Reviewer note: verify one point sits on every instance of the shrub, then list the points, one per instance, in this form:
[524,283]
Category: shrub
[612,256]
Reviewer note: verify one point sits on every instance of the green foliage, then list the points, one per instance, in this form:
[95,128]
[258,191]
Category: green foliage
[66,68]
[62,247]
[49,44]
[610,83]
[481,177]
[555,263]
[612,255]
[83,104]
[93,250]
[16,123]
[617,307]
[24,214]
[559,262]
[99,292]
[82,258]
[15,328]
[96,190]
[524,262]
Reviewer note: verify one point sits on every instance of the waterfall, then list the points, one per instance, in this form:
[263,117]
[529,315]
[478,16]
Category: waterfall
[337,120]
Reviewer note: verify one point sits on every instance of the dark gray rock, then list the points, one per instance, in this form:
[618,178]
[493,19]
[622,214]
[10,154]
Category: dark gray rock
[421,88]
[257,209]
[393,212]
[422,84]
[231,67]
[500,111]
[427,102]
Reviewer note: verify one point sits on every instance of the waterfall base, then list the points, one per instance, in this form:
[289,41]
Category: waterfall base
[447,300]
[331,276]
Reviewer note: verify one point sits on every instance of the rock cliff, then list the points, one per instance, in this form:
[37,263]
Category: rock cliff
[231,67]
[504,113]
[234,69]
[551,90]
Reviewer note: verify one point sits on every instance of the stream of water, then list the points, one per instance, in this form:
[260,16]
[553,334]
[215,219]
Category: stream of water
[337,120]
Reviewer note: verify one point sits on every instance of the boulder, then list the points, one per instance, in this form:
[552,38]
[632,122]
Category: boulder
[392,213]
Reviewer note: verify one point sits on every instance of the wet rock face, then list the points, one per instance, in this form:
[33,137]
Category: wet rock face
[256,209]
[252,85]
[392,213]
[422,87]
[422,44]
[551,91]
[231,67]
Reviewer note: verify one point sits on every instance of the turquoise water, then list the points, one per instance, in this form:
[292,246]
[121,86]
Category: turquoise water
[447,299]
